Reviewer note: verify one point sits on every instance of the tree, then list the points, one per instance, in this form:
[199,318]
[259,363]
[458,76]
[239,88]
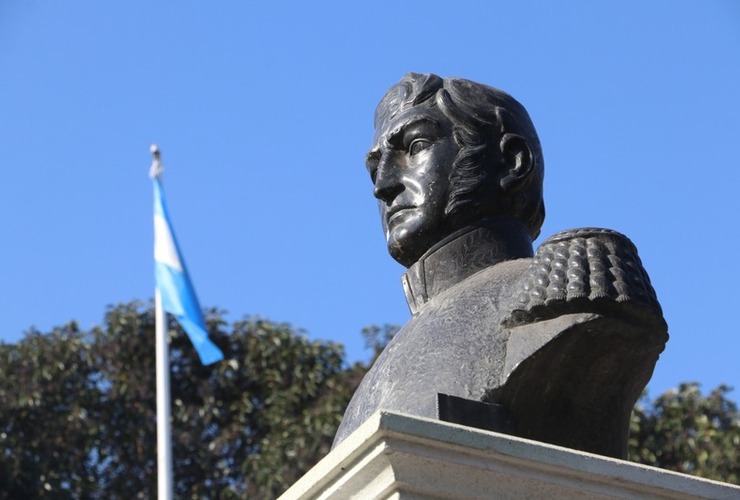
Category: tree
[685,431]
[78,415]
[49,397]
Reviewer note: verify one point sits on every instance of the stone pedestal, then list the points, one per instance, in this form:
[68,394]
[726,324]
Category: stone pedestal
[393,456]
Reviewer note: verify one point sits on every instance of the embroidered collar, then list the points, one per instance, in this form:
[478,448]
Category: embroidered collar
[462,254]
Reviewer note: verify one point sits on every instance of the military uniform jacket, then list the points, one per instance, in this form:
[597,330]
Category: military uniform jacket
[564,340]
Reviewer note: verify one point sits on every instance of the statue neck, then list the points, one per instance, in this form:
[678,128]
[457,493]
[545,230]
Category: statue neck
[462,254]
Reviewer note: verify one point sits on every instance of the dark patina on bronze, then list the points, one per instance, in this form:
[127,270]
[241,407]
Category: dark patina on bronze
[553,344]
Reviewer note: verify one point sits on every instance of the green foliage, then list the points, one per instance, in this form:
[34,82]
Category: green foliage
[78,417]
[48,398]
[684,431]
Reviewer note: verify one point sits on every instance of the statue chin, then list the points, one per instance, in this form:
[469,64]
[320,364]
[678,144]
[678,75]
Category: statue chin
[408,242]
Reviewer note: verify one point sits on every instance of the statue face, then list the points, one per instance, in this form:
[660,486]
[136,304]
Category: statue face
[410,164]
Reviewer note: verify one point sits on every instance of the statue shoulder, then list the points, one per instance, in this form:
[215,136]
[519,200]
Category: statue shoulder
[583,270]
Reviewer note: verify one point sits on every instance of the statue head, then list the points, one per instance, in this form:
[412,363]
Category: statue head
[451,153]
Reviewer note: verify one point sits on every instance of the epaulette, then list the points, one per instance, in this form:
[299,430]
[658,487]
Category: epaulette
[588,265]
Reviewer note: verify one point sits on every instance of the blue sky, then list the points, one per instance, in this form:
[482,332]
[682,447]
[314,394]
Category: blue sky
[263,112]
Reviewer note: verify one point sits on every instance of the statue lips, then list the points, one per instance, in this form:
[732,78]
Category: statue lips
[397,212]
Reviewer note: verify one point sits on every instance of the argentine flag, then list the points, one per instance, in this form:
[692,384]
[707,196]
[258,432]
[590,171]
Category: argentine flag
[178,294]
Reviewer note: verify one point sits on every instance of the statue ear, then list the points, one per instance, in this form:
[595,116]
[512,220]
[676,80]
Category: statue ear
[517,160]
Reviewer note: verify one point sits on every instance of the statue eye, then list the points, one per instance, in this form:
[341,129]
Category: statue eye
[419,145]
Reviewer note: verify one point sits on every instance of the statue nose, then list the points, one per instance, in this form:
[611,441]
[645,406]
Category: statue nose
[387,191]
[387,184]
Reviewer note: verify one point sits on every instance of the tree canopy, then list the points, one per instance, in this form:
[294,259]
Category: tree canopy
[78,411]
[78,415]
[685,431]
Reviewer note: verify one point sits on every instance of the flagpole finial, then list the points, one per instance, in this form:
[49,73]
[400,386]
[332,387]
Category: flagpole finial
[155,171]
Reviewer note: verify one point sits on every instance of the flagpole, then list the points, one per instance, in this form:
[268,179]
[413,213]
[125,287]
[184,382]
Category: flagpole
[164,437]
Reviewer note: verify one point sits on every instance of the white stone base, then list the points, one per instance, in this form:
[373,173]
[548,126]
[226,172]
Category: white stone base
[393,456]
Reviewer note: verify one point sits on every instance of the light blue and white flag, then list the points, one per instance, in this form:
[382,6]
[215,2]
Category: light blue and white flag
[173,282]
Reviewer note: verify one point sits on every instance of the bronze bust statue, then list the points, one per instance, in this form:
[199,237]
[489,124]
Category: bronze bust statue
[554,344]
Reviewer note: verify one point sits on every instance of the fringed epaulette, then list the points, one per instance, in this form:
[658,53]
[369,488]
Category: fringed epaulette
[590,267]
